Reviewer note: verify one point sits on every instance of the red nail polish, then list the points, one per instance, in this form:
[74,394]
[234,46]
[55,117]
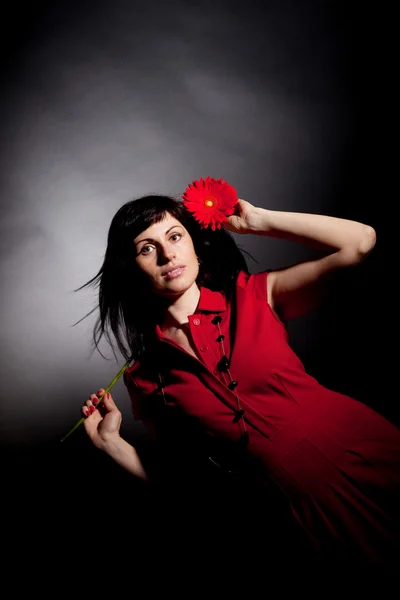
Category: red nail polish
[92,409]
[95,401]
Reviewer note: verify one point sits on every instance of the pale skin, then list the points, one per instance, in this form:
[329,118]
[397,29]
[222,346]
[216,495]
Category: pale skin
[291,291]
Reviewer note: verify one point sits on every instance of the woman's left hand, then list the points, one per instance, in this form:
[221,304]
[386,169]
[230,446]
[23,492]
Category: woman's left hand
[243,218]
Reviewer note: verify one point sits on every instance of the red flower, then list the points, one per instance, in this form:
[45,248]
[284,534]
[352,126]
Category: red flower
[210,201]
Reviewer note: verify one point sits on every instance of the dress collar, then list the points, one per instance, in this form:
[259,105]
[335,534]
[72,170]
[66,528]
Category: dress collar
[209,301]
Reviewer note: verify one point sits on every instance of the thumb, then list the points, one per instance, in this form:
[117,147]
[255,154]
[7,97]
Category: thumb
[109,403]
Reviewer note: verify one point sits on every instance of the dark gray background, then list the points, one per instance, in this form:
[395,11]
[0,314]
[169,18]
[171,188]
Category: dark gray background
[105,101]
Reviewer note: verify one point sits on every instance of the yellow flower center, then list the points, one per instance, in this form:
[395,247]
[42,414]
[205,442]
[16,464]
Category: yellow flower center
[209,202]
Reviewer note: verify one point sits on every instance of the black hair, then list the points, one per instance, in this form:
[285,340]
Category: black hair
[125,306]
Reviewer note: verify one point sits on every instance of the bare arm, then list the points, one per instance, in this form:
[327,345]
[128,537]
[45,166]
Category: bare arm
[126,456]
[297,289]
[317,231]
[102,425]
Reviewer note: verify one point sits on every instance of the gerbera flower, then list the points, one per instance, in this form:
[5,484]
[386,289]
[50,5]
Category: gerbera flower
[210,201]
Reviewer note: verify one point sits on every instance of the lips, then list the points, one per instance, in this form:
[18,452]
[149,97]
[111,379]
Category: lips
[174,272]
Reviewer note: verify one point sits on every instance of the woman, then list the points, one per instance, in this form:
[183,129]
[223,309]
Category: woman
[213,370]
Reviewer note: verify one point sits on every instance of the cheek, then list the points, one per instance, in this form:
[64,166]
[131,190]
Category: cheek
[139,265]
[144,267]
[192,262]
[191,253]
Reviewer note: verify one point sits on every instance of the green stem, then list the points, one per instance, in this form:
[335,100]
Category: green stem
[108,388]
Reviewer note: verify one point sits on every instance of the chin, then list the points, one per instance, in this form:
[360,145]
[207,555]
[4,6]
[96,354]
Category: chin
[178,286]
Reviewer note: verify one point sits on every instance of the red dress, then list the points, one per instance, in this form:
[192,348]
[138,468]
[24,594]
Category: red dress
[335,459]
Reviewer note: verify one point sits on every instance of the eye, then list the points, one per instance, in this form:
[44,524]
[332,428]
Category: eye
[176,236]
[146,250]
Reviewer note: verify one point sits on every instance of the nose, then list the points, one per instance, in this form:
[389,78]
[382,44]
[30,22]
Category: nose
[167,254]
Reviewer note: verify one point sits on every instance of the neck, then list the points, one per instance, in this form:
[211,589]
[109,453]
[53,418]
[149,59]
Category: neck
[176,313]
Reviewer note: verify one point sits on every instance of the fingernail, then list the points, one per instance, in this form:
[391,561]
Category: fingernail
[95,401]
[87,412]
[92,409]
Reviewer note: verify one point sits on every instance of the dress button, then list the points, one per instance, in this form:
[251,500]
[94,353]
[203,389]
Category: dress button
[204,348]
[196,321]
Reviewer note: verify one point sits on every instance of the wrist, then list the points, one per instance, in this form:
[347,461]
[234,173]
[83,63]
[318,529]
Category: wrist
[112,444]
[259,221]
[125,455]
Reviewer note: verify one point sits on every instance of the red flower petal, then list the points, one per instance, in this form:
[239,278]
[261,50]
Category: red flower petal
[210,201]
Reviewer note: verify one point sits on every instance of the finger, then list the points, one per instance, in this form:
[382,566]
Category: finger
[98,399]
[109,402]
[88,409]
[90,405]
[91,423]
[94,399]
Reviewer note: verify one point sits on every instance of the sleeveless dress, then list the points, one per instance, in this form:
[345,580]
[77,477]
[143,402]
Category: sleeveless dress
[335,459]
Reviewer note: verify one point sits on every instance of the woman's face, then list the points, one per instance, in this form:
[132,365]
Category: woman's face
[166,255]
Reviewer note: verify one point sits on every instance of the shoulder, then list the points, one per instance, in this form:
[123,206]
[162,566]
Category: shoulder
[255,284]
[128,373]
[258,287]
[141,382]
[141,376]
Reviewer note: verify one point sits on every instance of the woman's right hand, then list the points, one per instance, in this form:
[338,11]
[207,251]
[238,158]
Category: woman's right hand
[102,420]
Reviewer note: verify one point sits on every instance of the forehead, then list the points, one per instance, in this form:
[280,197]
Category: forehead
[159,229]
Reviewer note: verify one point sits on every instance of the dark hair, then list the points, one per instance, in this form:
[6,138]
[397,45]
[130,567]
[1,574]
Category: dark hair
[124,305]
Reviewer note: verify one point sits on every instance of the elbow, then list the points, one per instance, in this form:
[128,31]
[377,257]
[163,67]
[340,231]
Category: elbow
[367,242]
[357,252]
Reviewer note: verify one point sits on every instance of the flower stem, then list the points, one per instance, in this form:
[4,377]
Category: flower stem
[108,388]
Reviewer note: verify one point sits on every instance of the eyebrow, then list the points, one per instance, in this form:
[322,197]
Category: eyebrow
[154,241]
